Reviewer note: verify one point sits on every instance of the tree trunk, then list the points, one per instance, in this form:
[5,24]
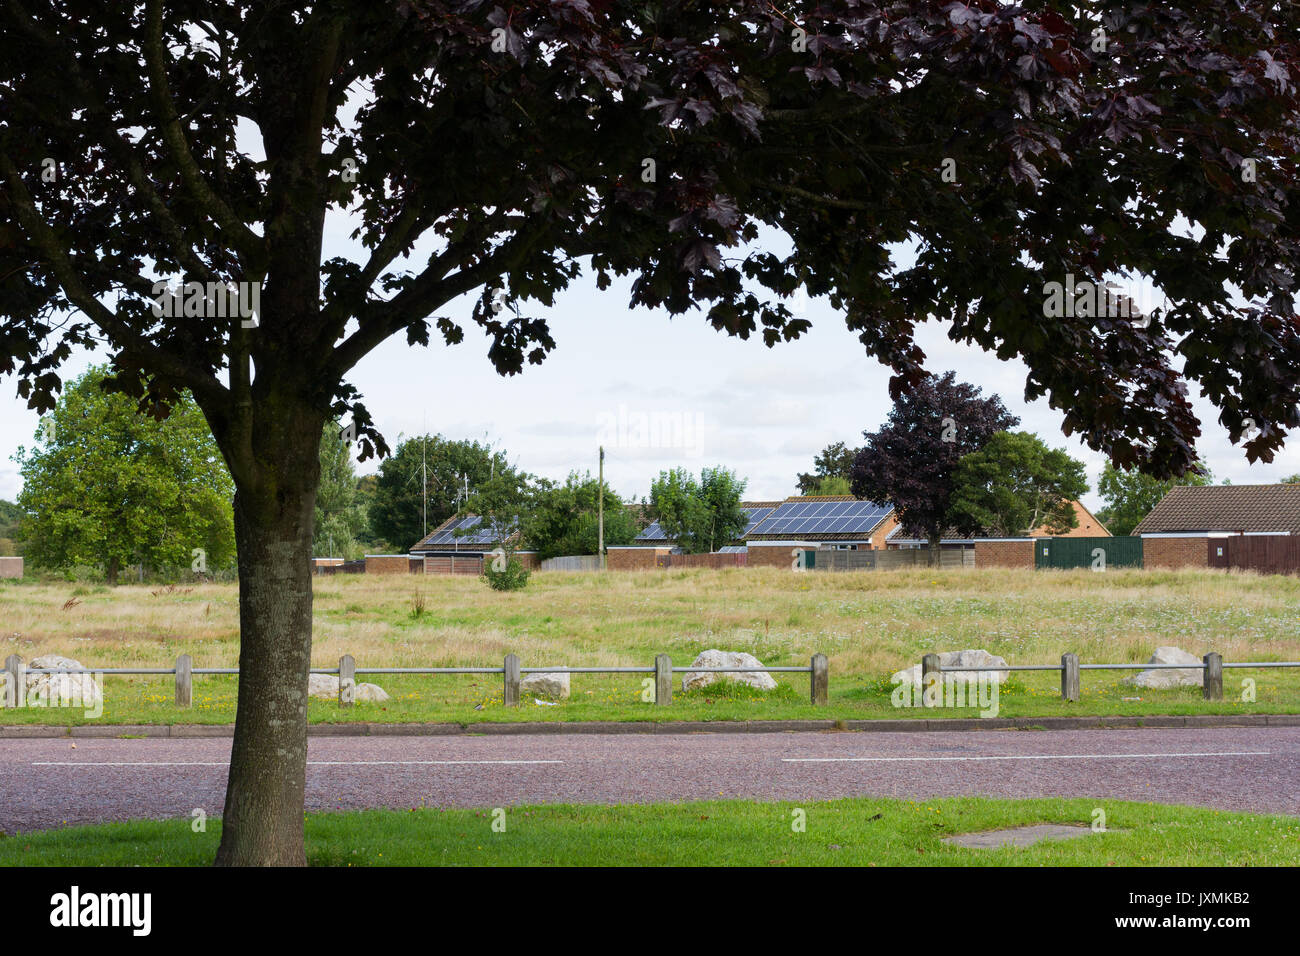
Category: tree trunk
[263,820]
[110,572]
[935,548]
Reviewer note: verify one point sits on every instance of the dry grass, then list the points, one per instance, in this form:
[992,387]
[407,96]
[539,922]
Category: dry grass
[869,624]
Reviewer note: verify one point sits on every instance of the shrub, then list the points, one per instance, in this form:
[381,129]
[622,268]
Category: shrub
[511,578]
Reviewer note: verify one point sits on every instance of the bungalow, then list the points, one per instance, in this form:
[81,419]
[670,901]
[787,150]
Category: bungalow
[1178,530]
[1086,526]
[458,546]
[818,523]
[653,542]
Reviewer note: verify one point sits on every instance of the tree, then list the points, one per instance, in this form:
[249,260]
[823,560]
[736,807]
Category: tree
[1289,480]
[108,487]
[1130,495]
[1016,484]
[910,463]
[503,503]
[430,464]
[831,485]
[340,521]
[499,154]
[563,518]
[10,519]
[700,516]
[835,461]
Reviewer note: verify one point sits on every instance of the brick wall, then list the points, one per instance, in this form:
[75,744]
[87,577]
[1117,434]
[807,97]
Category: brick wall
[11,567]
[633,559]
[878,538]
[771,556]
[1004,554]
[1175,552]
[388,564]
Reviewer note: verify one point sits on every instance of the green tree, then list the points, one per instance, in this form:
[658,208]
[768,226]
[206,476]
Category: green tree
[830,485]
[340,519]
[835,461]
[433,464]
[700,516]
[107,486]
[10,519]
[1015,484]
[1130,495]
[563,518]
[503,503]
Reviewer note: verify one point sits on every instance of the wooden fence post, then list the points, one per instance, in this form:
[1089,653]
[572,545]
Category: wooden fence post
[184,681]
[1069,676]
[510,696]
[663,680]
[820,679]
[347,680]
[1213,676]
[930,665]
[15,686]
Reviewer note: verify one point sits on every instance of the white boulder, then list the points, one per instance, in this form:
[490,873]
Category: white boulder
[545,685]
[326,687]
[759,680]
[1163,678]
[977,657]
[59,690]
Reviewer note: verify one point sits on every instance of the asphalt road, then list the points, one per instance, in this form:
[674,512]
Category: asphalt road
[49,782]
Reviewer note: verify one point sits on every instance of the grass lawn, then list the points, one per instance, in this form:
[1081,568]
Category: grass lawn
[869,624]
[851,832]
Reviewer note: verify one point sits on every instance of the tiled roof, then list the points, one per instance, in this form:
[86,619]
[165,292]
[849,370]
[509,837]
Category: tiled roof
[1259,508]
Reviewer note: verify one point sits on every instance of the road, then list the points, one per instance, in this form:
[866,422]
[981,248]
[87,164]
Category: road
[49,782]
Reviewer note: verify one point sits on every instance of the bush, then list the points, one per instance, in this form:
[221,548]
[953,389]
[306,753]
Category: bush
[512,578]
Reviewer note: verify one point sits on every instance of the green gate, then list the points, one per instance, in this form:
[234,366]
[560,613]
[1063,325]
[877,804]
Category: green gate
[1100,554]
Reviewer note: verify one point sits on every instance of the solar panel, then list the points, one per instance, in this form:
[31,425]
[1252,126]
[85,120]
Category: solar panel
[824,517]
[448,535]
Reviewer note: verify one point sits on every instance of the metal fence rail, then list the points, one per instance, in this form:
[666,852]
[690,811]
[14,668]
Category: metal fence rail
[1212,666]
[16,674]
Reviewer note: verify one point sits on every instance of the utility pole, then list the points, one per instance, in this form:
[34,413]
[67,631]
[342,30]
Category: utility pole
[600,521]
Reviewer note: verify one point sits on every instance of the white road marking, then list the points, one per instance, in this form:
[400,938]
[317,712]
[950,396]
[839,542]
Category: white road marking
[1224,753]
[310,763]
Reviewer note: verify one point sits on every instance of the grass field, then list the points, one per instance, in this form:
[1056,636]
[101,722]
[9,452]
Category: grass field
[869,624]
[850,832]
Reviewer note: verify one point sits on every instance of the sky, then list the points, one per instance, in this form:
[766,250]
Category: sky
[661,393]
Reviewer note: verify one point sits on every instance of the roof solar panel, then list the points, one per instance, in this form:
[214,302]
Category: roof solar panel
[821,517]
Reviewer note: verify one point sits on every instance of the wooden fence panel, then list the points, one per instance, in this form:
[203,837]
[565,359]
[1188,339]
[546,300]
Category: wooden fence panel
[1267,554]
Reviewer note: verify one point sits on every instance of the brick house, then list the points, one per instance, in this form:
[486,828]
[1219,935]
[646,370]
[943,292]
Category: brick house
[1177,532]
[445,551]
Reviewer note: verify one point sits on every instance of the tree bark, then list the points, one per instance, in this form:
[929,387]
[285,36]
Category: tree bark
[935,547]
[263,820]
[110,572]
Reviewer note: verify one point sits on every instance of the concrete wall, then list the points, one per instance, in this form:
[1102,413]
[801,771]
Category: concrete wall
[11,567]
[1175,552]
[1004,554]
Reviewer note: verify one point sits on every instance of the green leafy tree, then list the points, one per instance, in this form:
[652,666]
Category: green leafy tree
[831,485]
[431,463]
[340,519]
[10,519]
[1130,495]
[700,516]
[107,486]
[835,461]
[1015,484]
[564,519]
[1291,480]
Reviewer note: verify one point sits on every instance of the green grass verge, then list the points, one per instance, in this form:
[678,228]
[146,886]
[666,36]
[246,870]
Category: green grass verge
[477,699]
[854,832]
